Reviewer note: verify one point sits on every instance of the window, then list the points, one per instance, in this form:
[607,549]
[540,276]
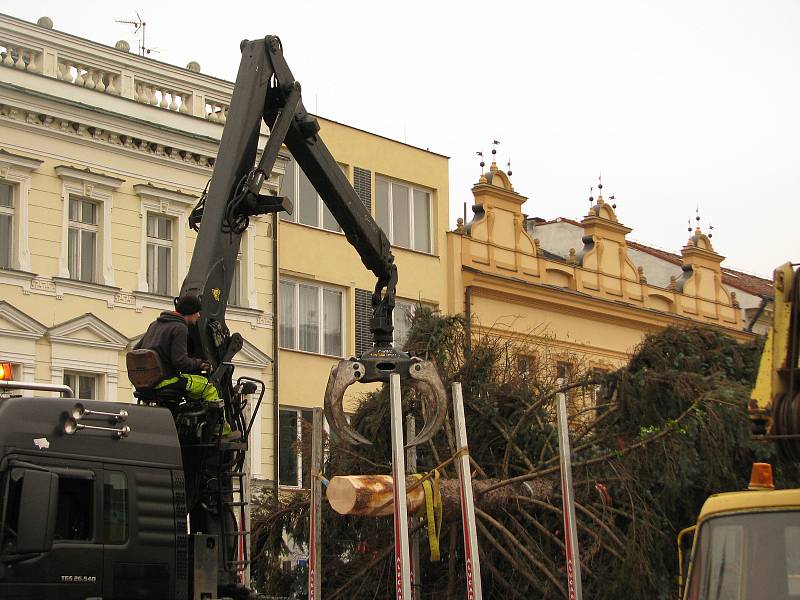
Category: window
[74,516]
[6,225]
[293,422]
[401,319]
[600,404]
[309,209]
[310,318]
[159,254]
[82,239]
[563,372]
[404,213]
[115,507]
[83,384]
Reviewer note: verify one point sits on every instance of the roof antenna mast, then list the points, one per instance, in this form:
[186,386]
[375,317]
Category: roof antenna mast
[138,25]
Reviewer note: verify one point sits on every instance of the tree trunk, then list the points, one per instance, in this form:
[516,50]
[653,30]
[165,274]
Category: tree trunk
[372,495]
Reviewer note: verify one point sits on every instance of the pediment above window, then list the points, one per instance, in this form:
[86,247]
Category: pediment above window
[15,323]
[88,330]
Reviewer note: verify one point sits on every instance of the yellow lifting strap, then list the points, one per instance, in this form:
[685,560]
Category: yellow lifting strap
[433,511]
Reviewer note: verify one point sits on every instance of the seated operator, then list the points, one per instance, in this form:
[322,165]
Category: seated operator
[168,336]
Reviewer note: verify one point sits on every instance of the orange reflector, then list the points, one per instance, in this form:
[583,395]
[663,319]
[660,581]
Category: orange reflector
[5,371]
[761,477]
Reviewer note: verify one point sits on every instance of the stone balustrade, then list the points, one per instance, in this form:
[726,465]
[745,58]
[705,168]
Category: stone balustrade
[28,47]
[17,56]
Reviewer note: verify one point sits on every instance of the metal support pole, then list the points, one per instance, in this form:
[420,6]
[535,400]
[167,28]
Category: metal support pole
[473,563]
[411,467]
[570,529]
[315,537]
[402,561]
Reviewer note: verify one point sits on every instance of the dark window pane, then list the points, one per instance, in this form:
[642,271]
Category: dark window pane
[88,241]
[288,448]
[309,318]
[74,513]
[401,218]
[328,221]
[382,205]
[288,314]
[234,296]
[308,201]
[72,253]
[74,209]
[308,428]
[164,270]
[332,317]
[6,195]
[287,190]
[422,221]
[5,241]
[115,507]
[89,213]
[86,384]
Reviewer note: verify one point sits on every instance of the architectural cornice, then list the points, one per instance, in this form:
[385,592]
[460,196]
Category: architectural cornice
[148,190]
[109,337]
[86,174]
[25,163]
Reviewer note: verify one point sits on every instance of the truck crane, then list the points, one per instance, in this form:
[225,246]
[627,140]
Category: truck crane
[746,544]
[125,501]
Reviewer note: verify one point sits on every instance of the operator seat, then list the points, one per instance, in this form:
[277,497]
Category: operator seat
[145,371]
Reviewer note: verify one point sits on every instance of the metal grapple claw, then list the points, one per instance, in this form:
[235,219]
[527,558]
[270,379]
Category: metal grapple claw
[343,374]
[377,365]
[425,379]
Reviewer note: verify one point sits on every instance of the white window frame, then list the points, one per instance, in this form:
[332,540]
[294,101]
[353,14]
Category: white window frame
[100,189]
[158,242]
[295,216]
[16,170]
[412,188]
[175,205]
[321,339]
[80,226]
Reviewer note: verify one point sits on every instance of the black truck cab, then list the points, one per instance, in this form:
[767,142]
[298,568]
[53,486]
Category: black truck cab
[91,508]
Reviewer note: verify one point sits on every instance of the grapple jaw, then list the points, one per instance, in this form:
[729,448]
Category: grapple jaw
[376,365]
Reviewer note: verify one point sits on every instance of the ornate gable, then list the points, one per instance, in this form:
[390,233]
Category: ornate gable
[15,323]
[88,330]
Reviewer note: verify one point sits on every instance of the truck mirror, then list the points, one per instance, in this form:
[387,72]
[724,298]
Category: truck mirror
[37,512]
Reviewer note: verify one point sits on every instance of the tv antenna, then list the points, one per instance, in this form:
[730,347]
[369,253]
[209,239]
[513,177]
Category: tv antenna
[138,26]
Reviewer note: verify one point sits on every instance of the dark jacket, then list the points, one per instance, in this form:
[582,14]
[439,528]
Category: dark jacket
[168,336]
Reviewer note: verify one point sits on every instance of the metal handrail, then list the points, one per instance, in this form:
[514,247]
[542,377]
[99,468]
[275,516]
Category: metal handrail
[64,390]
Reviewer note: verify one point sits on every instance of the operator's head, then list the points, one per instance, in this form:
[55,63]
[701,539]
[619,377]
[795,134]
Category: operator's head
[188,305]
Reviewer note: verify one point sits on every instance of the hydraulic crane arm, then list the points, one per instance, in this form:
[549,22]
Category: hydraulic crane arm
[266,90]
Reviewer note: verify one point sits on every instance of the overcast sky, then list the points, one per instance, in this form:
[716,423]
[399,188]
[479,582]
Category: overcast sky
[679,104]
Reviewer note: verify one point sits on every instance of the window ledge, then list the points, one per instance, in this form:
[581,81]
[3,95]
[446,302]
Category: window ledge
[314,227]
[85,285]
[8,271]
[243,311]
[420,252]
[308,353]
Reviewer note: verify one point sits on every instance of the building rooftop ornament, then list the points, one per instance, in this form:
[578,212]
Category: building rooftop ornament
[123,45]
[45,22]
[194,66]
[600,209]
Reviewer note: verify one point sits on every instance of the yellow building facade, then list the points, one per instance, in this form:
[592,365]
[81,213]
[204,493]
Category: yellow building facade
[594,304]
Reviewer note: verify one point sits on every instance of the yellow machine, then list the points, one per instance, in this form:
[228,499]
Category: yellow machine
[746,544]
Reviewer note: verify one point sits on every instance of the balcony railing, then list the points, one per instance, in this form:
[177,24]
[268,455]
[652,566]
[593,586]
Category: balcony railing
[107,70]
